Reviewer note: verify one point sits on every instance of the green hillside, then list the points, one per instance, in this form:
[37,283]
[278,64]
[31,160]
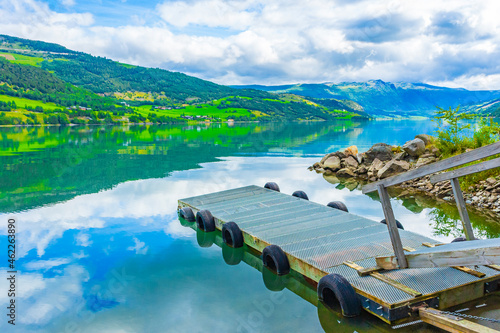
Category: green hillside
[96,89]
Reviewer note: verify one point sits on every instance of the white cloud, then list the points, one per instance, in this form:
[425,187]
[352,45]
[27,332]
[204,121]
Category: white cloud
[46,264]
[68,3]
[210,13]
[256,41]
[83,239]
[42,298]
[139,247]
[475,82]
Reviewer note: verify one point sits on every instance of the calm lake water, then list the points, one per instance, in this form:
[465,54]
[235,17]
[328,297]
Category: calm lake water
[100,248]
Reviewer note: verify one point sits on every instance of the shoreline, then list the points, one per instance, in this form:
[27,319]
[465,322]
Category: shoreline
[184,123]
[382,161]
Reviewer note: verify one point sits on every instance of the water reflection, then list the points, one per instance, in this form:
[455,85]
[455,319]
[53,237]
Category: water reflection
[100,245]
[44,165]
[443,214]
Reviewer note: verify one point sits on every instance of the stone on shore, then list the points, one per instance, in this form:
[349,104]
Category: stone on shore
[352,150]
[326,157]
[375,167]
[332,163]
[350,162]
[415,147]
[392,168]
[380,151]
[345,173]
[423,160]
[351,168]
[359,157]
[426,138]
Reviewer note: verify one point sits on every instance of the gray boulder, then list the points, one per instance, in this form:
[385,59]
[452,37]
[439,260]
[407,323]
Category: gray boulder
[423,160]
[359,157]
[392,168]
[327,156]
[426,138]
[375,167]
[345,173]
[350,162]
[362,170]
[415,147]
[332,163]
[400,156]
[380,151]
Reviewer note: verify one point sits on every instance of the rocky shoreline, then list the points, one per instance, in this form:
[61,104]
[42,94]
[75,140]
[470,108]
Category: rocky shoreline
[383,160]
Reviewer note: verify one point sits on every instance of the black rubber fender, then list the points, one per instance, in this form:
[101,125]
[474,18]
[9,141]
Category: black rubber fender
[398,224]
[300,194]
[205,239]
[232,256]
[338,205]
[232,235]
[205,221]
[187,214]
[459,239]
[272,186]
[333,289]
[275,259]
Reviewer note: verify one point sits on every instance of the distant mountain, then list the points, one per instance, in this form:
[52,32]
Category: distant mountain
[104,82]
[389,99]
[491,107]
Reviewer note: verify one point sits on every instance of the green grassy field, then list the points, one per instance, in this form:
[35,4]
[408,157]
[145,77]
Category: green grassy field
[22,103]
[275,100]
[22,59]
[200,110]
[22,115]
[125,65]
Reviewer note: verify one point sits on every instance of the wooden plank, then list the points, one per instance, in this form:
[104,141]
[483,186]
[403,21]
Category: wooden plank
[487,165]
[369,270]
[396,284]
[427,244]
[385,279]
[478,252]
[451,323]
[442,165]
[361,270]
[496,267]
[464,216]
[470,271]
[392,227]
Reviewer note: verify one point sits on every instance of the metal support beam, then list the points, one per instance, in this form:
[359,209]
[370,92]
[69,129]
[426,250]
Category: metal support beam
[464,216]
[392,227]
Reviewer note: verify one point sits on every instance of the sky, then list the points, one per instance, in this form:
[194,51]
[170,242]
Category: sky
[447,43]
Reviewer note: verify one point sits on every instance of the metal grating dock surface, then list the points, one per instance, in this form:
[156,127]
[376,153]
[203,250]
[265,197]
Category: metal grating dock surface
[324,238]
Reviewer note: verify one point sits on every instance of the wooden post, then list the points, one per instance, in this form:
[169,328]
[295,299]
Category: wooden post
[464,216]
[391,226]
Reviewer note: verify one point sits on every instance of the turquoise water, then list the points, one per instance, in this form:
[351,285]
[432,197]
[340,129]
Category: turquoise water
[100,248]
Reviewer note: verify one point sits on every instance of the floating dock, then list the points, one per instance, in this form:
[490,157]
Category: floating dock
[319,240]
